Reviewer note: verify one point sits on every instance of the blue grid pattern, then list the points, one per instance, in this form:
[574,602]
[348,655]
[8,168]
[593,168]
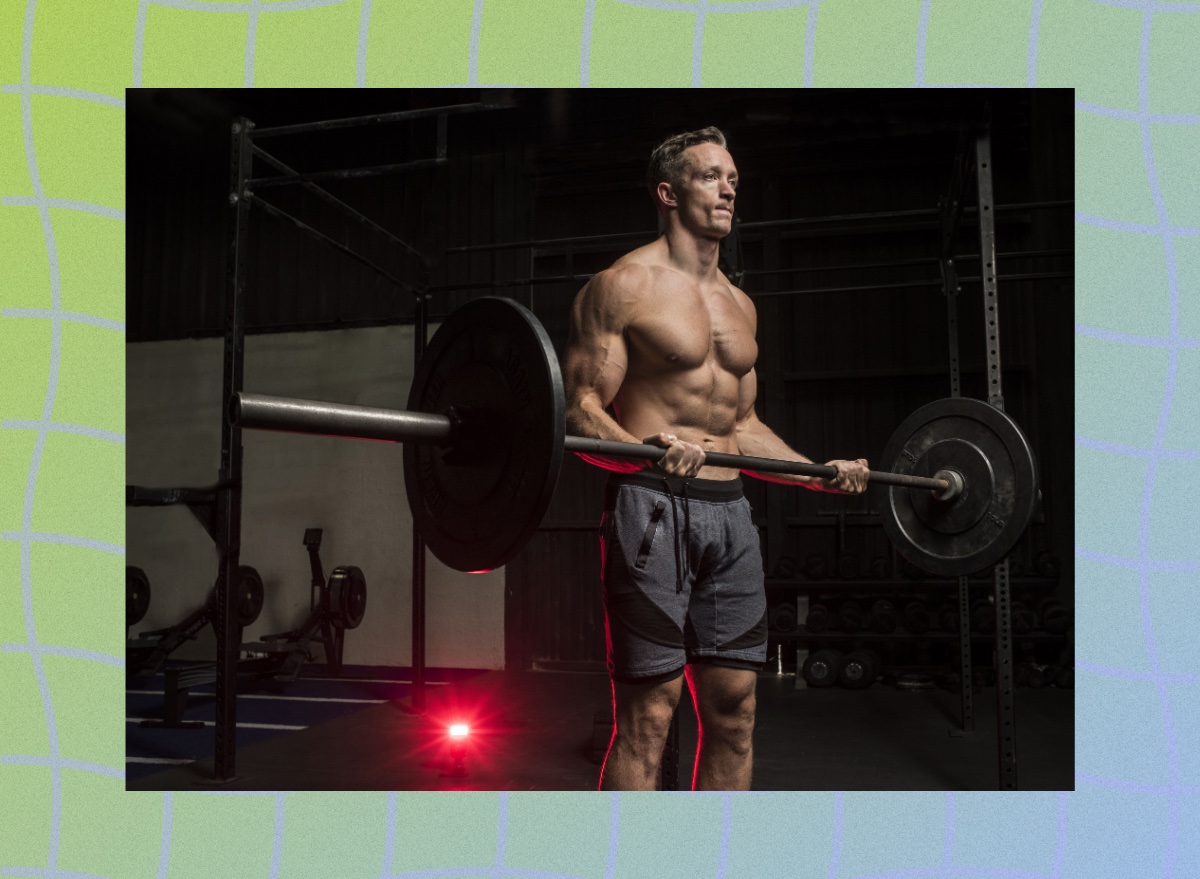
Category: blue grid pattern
[27,536]
[1116,824]
[1144,565]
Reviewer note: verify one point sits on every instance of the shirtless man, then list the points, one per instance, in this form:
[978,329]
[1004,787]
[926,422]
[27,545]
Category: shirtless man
[668,342]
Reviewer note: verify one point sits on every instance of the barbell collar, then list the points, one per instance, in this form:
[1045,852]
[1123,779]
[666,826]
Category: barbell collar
[263,412]
[954,484]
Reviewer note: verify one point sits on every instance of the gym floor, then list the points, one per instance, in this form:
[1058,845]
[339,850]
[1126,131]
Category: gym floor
[536,731]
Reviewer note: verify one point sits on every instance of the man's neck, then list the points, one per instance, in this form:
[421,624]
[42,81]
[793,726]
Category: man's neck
[693,256]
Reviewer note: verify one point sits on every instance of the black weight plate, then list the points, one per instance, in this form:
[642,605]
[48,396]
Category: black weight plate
[859,670]
[1054,616]
[249,596]
[492,365]
[783,617]
[816,567]
[137,595]
[347,596]
[821,669]
[917,618]
[849,617]
[883,617]
[1011,503]
[818,619]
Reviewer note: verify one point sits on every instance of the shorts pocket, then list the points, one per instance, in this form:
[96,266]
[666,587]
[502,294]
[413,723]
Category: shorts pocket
[643,555]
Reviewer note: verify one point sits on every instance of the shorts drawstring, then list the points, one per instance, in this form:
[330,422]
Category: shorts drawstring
[686,566]
[687,531]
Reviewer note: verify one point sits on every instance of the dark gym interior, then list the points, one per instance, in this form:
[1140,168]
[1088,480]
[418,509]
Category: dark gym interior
[857,236]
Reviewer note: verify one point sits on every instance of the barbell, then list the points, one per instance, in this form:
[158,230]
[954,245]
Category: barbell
[484,439]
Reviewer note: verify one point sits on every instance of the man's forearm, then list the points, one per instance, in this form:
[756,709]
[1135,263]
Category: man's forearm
[595,423]
[759,441]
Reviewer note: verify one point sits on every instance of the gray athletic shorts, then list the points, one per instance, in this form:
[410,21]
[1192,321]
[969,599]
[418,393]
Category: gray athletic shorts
[683,577]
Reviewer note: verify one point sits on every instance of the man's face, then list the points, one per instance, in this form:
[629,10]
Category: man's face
[706,192]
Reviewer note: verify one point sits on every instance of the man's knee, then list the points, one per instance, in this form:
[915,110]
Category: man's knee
[726,705]
[734,727]
[643,714]
[644,731]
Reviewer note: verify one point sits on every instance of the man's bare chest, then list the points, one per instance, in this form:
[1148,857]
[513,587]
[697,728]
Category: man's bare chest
[687,328]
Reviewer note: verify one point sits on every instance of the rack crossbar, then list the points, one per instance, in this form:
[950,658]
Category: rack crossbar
[336,202]
[372,119]
[335,244]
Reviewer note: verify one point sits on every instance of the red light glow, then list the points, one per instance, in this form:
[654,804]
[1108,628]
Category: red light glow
[459,730]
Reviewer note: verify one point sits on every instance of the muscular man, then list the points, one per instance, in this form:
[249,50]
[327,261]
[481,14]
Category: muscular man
[665,340]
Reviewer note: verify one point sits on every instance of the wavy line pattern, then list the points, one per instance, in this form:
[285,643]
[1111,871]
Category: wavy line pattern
[1175,794]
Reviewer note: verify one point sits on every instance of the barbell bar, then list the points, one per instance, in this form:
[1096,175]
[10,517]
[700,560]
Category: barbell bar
[484,437]
[265,412]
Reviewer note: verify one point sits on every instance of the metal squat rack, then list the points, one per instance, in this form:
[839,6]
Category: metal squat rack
[244,193]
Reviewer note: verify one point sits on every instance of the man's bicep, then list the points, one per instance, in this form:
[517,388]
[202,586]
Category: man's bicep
[595,369]
[596,358]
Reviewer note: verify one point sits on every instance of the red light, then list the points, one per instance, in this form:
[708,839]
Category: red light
[459,730]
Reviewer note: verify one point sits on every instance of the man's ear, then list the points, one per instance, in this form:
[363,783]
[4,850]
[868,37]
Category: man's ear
[666,194]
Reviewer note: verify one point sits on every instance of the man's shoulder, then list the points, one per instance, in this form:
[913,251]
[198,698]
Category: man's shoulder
[741,299]
[626,277]
[741,296]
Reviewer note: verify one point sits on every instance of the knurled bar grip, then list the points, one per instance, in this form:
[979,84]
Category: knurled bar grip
[264,412]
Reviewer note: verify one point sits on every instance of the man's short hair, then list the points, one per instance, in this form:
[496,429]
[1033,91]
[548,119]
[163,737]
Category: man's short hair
[667,161]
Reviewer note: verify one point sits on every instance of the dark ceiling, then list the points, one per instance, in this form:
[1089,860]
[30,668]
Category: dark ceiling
[586,121]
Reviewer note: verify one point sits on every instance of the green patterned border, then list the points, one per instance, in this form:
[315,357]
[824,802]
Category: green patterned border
[64,66]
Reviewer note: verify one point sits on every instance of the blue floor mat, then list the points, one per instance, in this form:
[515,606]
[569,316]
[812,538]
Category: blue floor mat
[265,709]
